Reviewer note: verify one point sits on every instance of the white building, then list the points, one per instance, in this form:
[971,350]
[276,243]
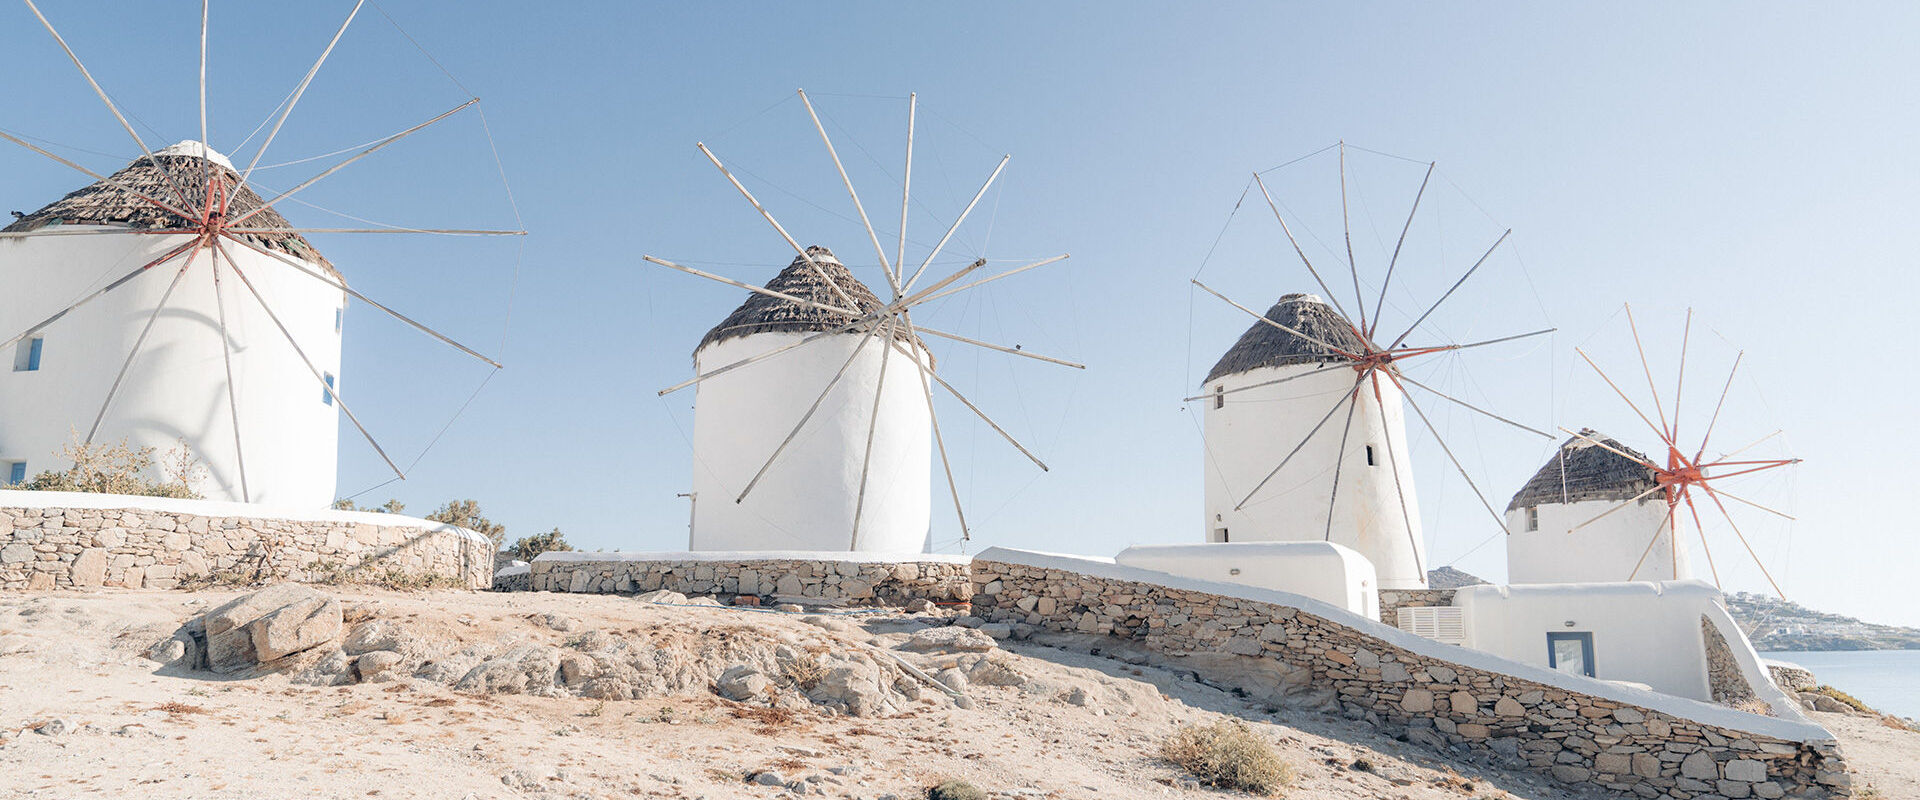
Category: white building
[1324,571]
[810,495]
[1674,637]
[1582,481]
[1249,432]
[176,389]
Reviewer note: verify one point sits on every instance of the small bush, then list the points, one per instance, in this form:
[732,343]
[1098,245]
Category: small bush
[955,790]
[1851,701]
[120,468]
[389,507]
[804,671]
[1227,755]
[529,547]
[466,514]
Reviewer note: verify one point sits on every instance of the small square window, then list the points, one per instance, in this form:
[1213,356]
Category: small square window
[326,395]
[1220,396]
[339,319]
[1533,518]
[1571,652]
[1220,535]
[1369,455]
[26,354]
[16,473]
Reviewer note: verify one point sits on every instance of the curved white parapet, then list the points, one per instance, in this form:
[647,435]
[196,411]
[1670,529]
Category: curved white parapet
[832,556]
[1323,571]
[1790,725]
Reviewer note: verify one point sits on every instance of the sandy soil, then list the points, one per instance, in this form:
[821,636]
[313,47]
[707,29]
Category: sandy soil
[134,726]
[1885,759]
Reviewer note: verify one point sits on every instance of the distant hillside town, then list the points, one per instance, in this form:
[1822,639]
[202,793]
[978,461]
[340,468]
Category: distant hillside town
[1775,624]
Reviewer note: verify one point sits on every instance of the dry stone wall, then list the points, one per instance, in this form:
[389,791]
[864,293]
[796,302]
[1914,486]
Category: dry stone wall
[1724,678]
[161,544]
[1577,738]
[850,581]
[1392,600]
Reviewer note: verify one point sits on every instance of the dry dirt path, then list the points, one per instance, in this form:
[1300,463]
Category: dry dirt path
[135,728]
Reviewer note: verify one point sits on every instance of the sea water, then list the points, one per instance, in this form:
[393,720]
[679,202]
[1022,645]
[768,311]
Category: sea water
[1888,680]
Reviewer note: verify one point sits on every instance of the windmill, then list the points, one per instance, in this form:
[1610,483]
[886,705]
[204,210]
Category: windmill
[137,352]
[1276,469]
[847,471]
[1683,472]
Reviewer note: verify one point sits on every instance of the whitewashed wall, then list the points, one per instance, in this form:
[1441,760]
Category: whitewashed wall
[1645,633]
[1253,430]
[1324,571]
[1603,552]
[177,387]
[807,500]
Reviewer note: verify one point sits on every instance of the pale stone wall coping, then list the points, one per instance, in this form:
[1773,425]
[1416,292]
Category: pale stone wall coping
[18,498]
[758,555]
[1795,728]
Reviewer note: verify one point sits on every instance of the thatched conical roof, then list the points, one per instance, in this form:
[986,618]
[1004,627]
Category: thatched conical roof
[104,203]
[1266,346]
[764,314]
[1591,472]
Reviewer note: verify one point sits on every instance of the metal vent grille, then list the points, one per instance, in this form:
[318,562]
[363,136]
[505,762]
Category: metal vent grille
[1445,624]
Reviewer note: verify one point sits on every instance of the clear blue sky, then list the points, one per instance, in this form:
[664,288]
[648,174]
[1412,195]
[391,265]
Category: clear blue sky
[1751,161]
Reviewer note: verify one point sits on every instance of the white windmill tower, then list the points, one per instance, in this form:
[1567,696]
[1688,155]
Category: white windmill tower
[1588,475]
[816,396]
[1626,538]
[221,325]
[826,500]
[1276,470]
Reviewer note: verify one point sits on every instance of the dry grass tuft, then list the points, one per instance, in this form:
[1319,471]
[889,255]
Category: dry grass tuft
[1228,755]
[955,790]
[804,671]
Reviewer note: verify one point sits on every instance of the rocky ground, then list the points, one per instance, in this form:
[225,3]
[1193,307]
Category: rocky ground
[459,694]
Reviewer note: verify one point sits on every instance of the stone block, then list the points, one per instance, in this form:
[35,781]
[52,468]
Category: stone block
[1745,770]
[1509,707]
[1417,701]
[1568,773]
[1700,766]
[89,568]
[306,623]
[1613,764]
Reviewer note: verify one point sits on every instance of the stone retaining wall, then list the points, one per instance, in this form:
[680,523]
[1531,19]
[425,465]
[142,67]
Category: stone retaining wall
[54,540]
[1392,600]
[1578,738]
[812,576]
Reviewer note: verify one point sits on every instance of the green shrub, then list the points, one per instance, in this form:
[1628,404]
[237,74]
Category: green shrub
[389,507]
[466,514]
[119,468]
[1850,700]
[955,790]
[530,546]
[1227,755]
